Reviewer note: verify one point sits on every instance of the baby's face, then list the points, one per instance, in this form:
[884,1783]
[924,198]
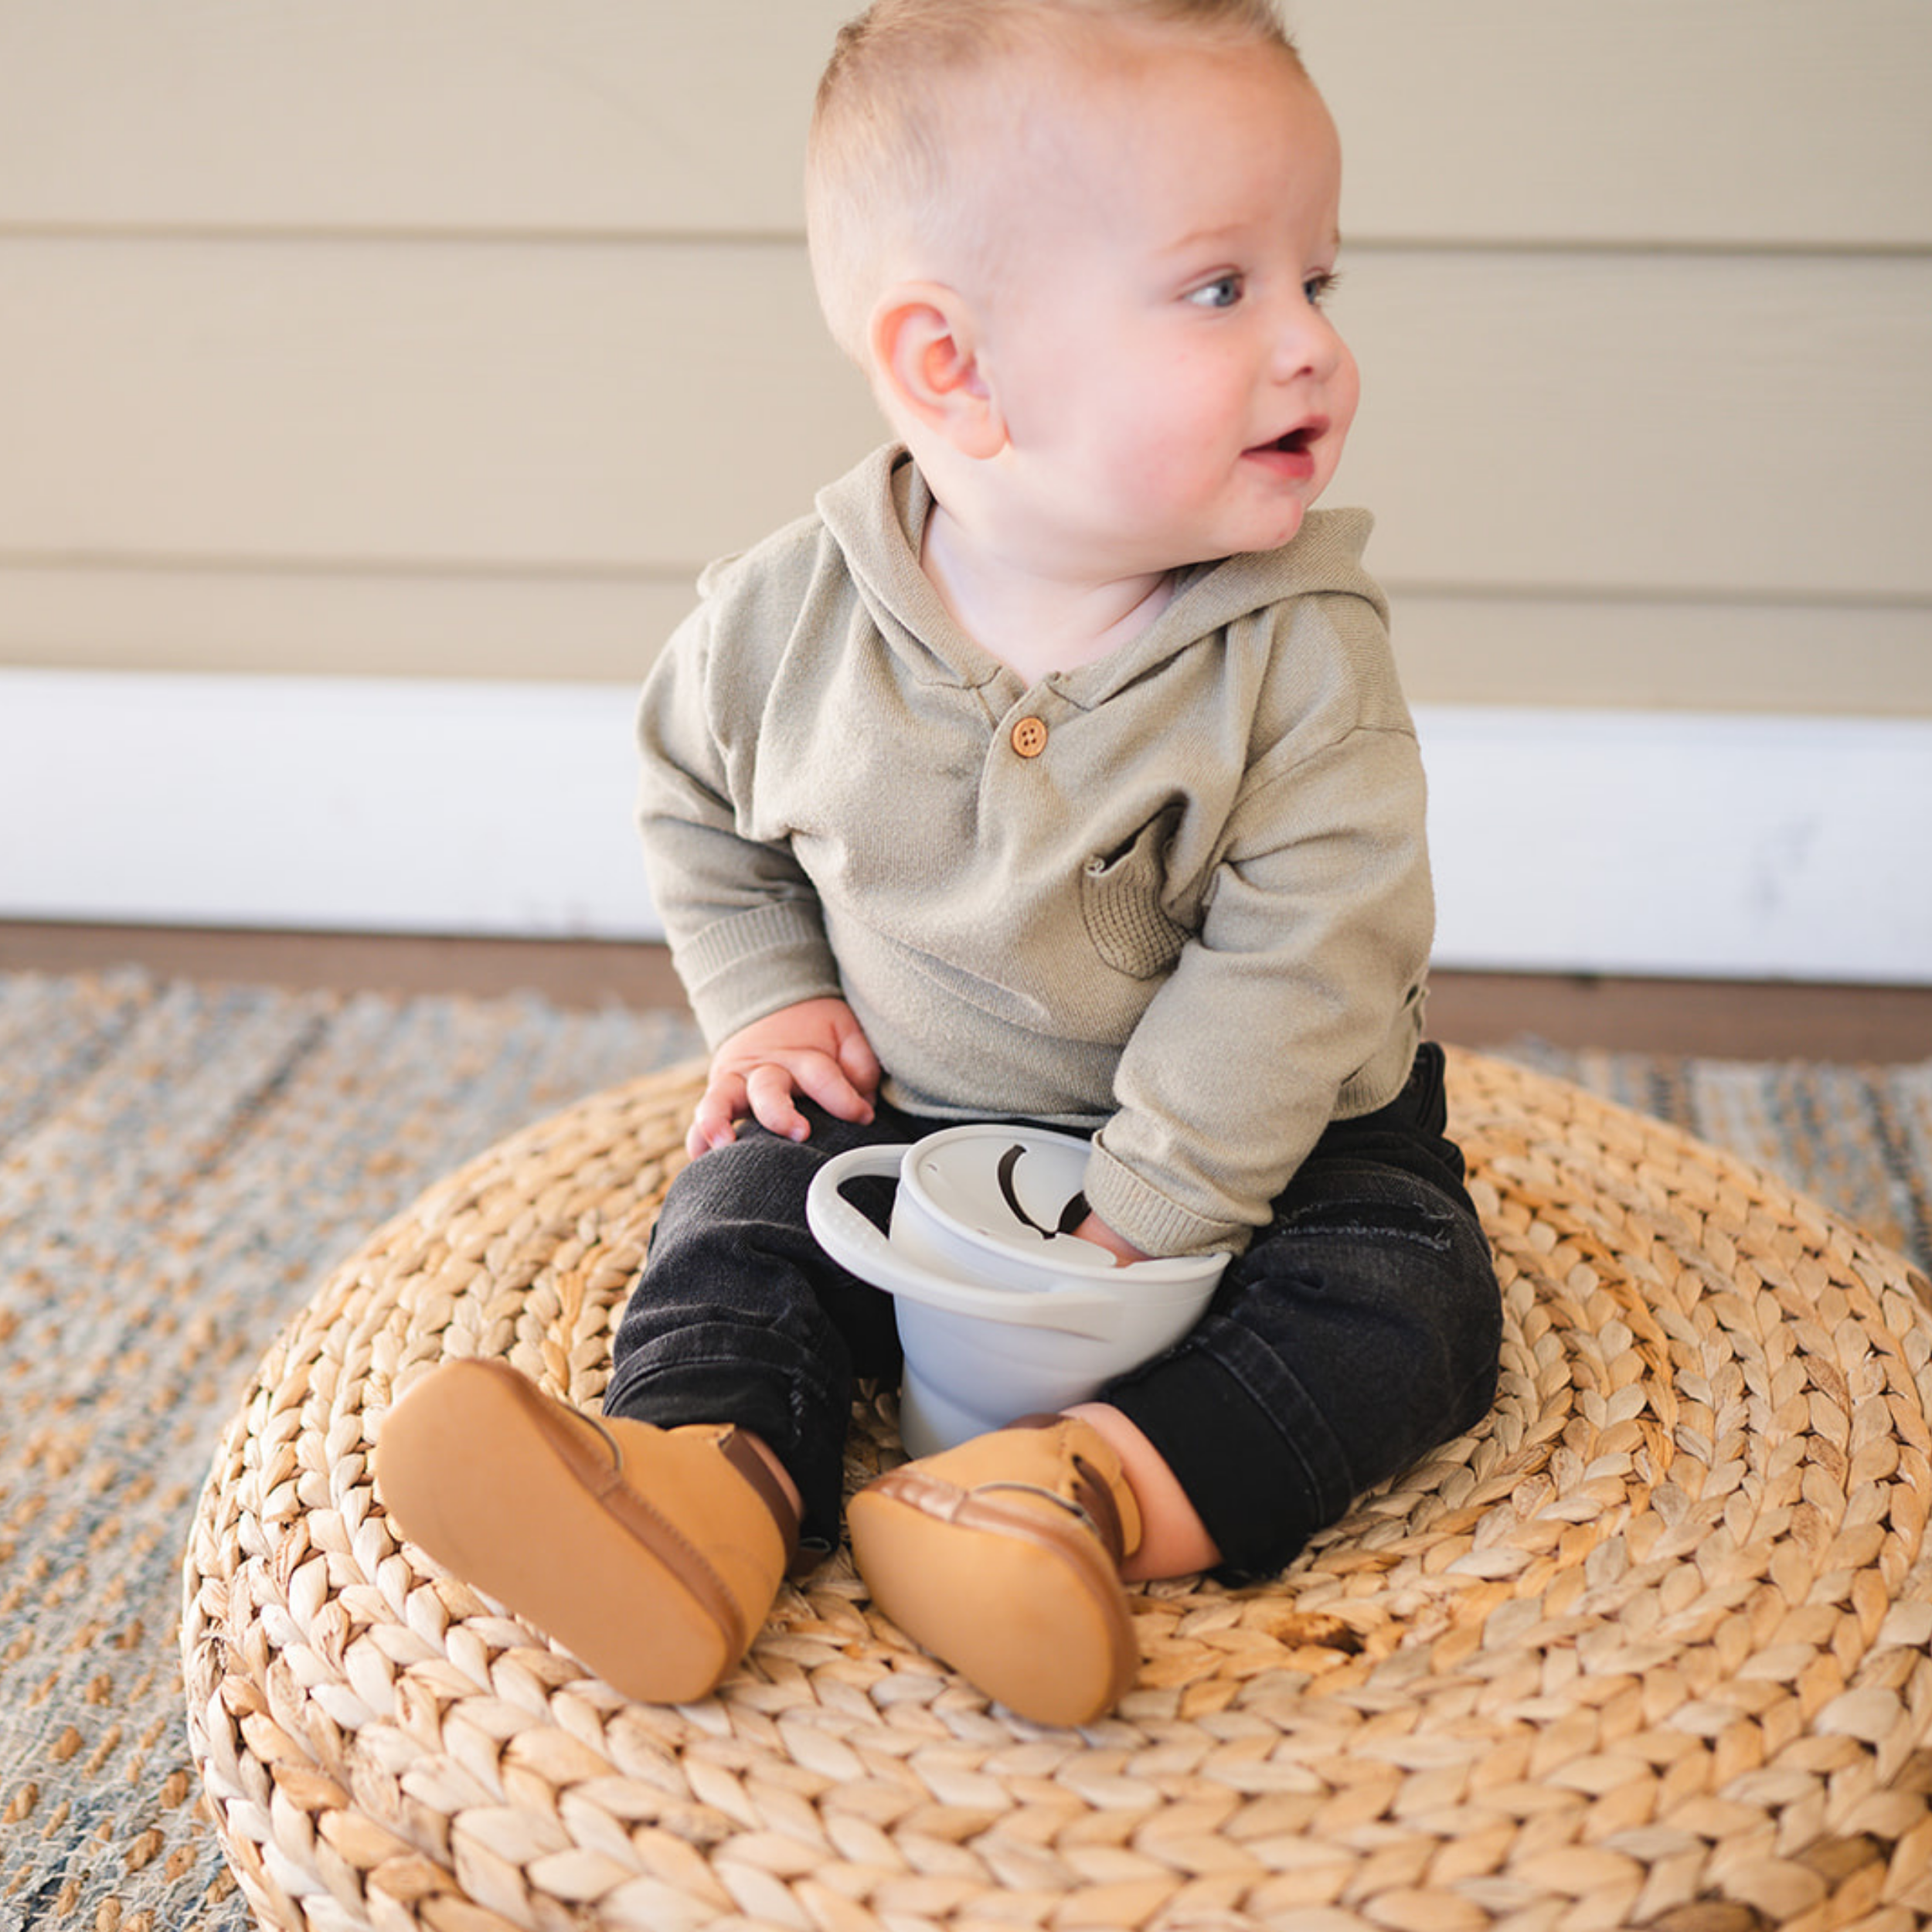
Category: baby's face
[1173,390]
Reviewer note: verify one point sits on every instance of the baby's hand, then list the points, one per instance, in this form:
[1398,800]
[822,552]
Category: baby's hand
[816,1047]
[1124,1251]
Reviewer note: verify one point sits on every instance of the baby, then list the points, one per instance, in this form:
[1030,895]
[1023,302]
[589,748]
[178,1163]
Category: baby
[1055,769]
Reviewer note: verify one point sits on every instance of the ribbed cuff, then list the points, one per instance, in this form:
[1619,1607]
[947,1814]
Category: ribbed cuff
[739,969]
[1149,1219]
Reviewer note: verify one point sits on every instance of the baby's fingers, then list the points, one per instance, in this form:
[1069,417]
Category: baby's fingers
[765,1090]
[825,1080]
[722,1104]
[770,1089]
[860,1066]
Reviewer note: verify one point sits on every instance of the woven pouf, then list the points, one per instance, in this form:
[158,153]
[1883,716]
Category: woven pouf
[1647,1648]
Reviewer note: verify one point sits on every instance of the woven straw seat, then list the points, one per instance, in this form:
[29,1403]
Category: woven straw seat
[1647,1648]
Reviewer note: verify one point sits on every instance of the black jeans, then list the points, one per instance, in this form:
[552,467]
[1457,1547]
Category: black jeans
[1360,1329]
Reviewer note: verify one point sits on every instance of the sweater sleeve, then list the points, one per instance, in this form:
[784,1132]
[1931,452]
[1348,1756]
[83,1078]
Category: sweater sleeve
[1298,1001]
[744,925]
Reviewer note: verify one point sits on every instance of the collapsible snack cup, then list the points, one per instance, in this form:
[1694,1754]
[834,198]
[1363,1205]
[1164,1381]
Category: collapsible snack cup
[1002,1311]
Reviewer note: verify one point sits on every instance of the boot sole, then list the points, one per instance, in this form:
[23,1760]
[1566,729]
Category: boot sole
[1027,1607]
[475,1473]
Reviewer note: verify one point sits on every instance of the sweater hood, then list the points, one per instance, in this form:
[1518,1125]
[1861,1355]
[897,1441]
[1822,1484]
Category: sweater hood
[876,514]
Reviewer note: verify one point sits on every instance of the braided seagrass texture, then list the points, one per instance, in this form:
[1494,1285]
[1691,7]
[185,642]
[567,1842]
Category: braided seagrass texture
[1648,1648]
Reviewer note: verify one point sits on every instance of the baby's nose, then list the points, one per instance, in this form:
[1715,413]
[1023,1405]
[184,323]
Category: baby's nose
[1307,344]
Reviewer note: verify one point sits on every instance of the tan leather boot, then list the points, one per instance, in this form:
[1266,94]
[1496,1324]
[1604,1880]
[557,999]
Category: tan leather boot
[652,1555]
[1002,1557]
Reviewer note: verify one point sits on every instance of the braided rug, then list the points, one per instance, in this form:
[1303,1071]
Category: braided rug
[1647,1648]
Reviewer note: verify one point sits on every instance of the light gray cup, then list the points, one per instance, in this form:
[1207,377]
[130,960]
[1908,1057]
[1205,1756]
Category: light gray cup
[1002,1311]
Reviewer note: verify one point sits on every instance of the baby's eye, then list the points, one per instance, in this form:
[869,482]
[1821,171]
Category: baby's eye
[1223,292]
[1318,288]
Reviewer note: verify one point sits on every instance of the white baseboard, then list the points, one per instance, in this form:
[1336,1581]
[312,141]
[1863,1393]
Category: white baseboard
[1760,848]
[1679,843]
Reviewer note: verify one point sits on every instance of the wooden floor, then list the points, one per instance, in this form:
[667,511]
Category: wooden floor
[1720,1018]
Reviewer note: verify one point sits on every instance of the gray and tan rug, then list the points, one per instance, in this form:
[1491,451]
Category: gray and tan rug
[180,1164]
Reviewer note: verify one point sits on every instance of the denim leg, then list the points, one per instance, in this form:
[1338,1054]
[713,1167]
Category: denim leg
[739,1316]
[1360,1330]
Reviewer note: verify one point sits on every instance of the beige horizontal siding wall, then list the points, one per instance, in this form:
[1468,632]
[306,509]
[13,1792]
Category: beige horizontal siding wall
[449,337]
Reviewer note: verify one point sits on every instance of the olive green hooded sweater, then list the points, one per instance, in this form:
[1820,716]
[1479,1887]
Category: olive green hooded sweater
[1180,895]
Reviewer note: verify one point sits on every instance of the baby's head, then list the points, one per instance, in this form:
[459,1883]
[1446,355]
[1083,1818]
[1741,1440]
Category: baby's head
[1081,247]
[921,100]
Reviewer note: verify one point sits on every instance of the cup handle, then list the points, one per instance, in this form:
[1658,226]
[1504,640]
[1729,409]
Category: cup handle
[854,1242]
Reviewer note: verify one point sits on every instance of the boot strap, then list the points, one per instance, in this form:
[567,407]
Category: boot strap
[1092,1495]
[737,1450]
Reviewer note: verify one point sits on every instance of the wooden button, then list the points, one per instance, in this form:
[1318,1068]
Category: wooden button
[1029,737]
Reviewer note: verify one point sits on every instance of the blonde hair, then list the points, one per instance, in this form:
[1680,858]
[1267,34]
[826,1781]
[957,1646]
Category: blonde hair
[908,81]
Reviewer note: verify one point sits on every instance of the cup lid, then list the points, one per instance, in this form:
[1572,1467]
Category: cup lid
[1016,1187]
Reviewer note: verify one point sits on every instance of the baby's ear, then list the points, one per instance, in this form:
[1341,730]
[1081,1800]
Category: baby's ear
[924,359]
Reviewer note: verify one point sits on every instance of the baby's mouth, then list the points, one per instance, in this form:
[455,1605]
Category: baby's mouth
[1297,442]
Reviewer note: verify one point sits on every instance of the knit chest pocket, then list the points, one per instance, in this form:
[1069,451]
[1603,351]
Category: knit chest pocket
[1120,894]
